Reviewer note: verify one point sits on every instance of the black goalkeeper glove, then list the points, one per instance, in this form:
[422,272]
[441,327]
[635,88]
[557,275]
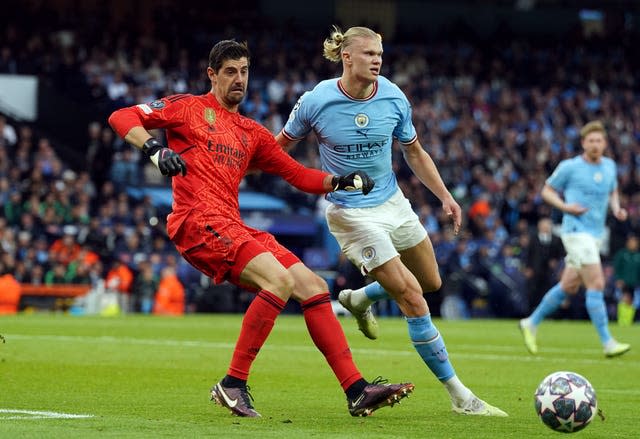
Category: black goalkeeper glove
[169,162]
[352,182]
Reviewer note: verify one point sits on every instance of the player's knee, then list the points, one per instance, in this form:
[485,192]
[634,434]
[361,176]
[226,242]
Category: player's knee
[283,283]
[434,284]
[413,304]
[309,286]
[318,284]
[570,289]
[570,286]
[596,284]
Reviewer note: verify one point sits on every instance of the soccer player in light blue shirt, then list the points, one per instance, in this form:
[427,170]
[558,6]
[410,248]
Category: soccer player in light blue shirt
[588,184]
[355,133]
[355,119]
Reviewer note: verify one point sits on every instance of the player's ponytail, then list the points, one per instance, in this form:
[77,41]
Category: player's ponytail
[333,45]
[338,41]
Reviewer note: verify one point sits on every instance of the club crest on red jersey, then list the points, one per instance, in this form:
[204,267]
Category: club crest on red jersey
[210,115]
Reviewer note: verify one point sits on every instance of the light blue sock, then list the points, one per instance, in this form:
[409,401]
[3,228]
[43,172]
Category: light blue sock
[549,303]
[598,314]
[375,292]
[430,345]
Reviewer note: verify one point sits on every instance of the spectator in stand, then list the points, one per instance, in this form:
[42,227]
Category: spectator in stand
[124,170]
[32,224]
[8,136]
[92,236]
[10,291]
[118,89]
[8,62]
[132,252]
[82,263]
[36,188]
[21,271]
[79,274]
[169,299]
[42,251]
[36,275]
[24,245]
[56,275]
[144,288]
[544,258]
[5,186]
[13,207]
[117,236]
[22,159]
[8,241]
[46,160]
[65,249]
[123,212]
[626,265]
[120,279]
[99,154]
[80,213]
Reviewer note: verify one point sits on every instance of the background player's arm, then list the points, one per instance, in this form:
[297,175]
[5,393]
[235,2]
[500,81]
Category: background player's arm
[425,169]
[614,203]
[553,198]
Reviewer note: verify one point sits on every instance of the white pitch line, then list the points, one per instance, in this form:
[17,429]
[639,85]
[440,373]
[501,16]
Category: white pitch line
[38,414]
[515,353]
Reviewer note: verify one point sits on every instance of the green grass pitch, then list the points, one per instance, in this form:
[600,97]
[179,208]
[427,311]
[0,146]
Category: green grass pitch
[142,376]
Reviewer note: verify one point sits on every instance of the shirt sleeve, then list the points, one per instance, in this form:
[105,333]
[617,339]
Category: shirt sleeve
[558,179]
[298,125]
[271,158]
[614,172]
[405,132]
[160,113]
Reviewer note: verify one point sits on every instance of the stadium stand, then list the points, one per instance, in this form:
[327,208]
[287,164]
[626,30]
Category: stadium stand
[497,114]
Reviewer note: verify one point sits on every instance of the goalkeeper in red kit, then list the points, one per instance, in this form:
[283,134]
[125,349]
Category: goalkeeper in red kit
[210,148]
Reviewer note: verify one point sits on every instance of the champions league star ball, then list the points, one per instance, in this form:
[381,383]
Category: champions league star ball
[566,402]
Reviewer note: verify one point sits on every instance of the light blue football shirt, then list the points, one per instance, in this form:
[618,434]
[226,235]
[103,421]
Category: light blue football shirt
[589,185]
[355,134]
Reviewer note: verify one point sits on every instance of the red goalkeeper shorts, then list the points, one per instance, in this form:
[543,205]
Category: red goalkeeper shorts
[221,247]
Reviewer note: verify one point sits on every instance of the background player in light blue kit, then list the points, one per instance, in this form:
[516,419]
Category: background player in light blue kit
[589,185]
[355,119]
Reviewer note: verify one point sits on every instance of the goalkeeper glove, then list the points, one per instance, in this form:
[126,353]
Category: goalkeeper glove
[353,182]
[169,162]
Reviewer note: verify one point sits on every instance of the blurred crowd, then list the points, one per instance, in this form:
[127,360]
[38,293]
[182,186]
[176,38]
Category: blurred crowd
[497,117]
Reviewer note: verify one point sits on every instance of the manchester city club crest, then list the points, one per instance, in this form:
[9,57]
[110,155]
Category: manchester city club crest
[361,120]
[597,177]
[368,253]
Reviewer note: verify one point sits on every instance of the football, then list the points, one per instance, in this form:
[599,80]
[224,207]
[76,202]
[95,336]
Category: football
[566,402]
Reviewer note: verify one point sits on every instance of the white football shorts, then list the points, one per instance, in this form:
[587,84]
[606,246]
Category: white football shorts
[370,236]
[582,249]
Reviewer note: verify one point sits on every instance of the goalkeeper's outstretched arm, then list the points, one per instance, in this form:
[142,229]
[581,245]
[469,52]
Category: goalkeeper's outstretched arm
[126,123]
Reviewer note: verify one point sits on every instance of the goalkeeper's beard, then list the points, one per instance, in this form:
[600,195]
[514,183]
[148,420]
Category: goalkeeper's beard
[235,97]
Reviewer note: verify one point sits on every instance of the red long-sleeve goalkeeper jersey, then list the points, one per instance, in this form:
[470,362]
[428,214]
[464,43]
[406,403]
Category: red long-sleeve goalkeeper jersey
[218,147]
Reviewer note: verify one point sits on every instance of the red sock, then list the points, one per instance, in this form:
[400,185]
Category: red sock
[256,326]
[327,334]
